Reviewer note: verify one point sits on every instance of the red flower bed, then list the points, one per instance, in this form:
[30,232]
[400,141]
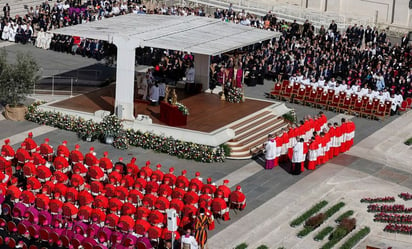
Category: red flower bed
[393,218]
[396,208]
[378,199]
[395,228]
[406,196]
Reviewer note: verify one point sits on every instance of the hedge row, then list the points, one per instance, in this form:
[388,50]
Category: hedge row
[323,233]
[319,219]
[305,231]
[352,241]
[334,209]
[344,215]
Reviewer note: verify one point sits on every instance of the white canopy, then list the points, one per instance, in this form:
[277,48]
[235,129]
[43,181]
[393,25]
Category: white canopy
[199,35]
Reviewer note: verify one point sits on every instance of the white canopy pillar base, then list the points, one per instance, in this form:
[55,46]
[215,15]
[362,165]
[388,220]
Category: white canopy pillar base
[202,65]
[124,101]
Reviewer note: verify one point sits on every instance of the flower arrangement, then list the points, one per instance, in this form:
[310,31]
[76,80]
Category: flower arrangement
[234,95]
[393,218]
[54,119]
[121,142]
[396,208]
[171,146]
[146,140]
[405,196]
[378,199]
[181,107]
[395,228]
[88,130]
[110,126]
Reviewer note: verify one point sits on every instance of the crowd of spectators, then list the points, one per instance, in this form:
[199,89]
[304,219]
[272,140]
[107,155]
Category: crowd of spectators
[72,197]
[359,55]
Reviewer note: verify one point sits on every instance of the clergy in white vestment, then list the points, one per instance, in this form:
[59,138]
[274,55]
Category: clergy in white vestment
[270,152]
[298,157]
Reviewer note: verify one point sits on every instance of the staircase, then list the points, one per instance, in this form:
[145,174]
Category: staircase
[252,132]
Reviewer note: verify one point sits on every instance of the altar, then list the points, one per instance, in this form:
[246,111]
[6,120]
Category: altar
[171,115]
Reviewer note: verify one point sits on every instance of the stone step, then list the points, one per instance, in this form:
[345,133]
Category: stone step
[245,123]
[256,129]
[242,151]
[255,125]
[256,137]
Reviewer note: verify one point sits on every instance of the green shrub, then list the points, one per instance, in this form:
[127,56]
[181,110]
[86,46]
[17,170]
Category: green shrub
[344,215]
[305,231]
[241,246]
[409,141]
[226,149]
[290,116]
[316,208]
[313,222]
[263,247]
[323,233]
[334,209]
[330,244]
[339,233]
[352,241]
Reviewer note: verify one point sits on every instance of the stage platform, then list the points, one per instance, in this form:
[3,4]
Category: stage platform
[210,120]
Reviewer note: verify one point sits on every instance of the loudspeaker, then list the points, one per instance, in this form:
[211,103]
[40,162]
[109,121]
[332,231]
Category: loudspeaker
[171,220]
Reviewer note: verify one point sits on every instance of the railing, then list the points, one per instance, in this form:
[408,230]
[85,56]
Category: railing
[56,85]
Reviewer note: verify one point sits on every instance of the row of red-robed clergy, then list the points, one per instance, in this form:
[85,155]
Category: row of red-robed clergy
[102,177]
[322,140]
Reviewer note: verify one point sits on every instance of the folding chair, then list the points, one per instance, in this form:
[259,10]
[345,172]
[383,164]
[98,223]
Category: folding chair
[380,112]
[300,96]
[404,107]
[287,93]
[388,106]
[312,98]
[357,107]
[334,104]
[344,106]
[323,101]
[368,110]
[275,93]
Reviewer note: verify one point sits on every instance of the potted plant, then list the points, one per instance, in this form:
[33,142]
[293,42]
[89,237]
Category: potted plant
[16,82]
[110,127]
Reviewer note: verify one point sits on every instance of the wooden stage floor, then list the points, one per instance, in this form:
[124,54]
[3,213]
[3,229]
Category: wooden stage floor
[207,111]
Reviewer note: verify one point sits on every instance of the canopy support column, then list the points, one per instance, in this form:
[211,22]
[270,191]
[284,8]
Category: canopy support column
[202,67]
[125,72]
